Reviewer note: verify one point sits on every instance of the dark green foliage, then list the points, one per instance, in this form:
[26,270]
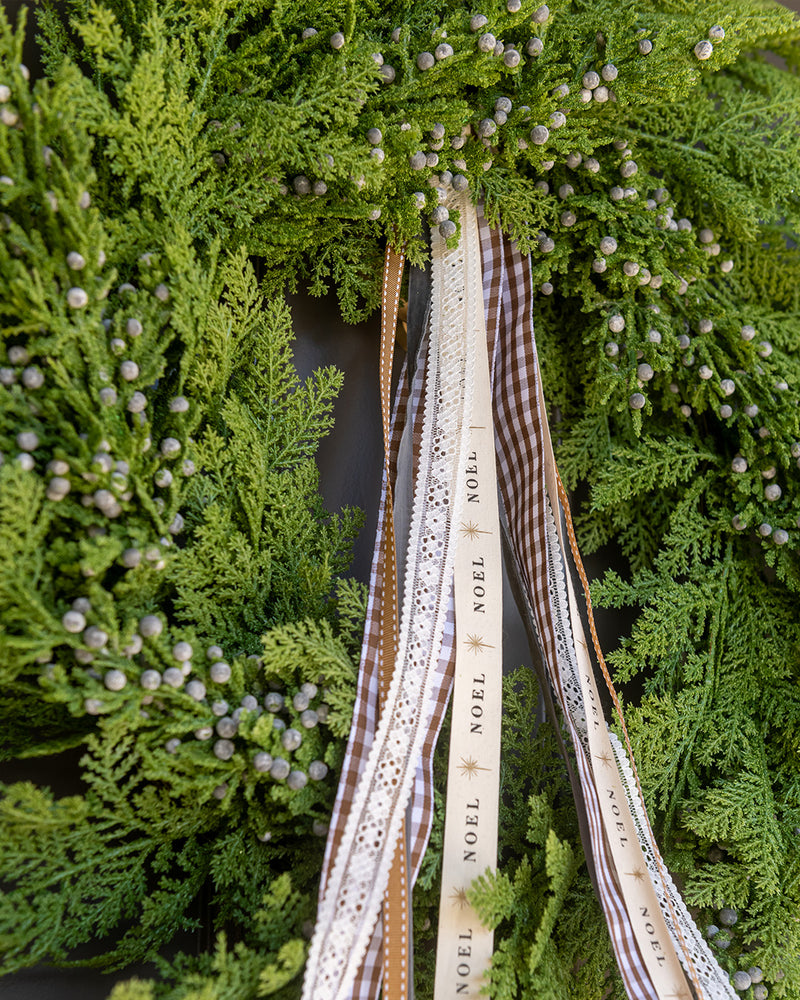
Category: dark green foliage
[167,146]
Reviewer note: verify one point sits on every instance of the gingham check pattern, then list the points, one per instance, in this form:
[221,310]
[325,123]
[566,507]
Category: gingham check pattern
[519,429]
[408,413]
[519,425]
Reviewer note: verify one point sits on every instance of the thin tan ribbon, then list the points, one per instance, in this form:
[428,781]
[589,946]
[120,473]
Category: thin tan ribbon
[396,898]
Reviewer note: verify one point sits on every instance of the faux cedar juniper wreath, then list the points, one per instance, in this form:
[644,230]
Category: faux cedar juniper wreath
[170,588]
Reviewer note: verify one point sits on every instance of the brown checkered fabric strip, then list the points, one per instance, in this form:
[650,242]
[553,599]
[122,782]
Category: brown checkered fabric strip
[518,429]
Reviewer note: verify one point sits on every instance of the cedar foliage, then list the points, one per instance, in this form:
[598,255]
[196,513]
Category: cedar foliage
[170,143]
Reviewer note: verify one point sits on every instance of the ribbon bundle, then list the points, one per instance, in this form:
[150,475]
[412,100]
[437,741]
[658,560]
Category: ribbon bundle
[475,379]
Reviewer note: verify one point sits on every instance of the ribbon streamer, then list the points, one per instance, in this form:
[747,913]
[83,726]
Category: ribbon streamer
[388,763]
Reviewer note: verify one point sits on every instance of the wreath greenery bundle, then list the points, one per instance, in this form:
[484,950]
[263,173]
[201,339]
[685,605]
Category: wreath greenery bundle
[172,593]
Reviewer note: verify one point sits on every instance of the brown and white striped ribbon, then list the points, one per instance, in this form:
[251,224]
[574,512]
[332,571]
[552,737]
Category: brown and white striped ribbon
[520,429]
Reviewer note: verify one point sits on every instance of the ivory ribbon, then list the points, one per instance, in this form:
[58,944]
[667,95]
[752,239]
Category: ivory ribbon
[464,945]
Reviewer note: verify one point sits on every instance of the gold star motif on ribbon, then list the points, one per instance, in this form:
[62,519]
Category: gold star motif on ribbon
[471,531]
[476,643]
[469,767]
[459,898]
[638,874]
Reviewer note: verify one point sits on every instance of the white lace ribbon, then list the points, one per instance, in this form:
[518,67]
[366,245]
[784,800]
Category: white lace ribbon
[349,909]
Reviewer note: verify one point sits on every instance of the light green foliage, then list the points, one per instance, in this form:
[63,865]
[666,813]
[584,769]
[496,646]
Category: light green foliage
[168,146]
[168,565]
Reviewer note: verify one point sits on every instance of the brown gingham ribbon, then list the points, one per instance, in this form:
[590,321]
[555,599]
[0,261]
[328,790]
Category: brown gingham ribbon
[520,426]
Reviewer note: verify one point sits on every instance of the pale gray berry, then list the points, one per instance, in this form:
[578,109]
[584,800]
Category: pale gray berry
[27,440]
[539,135]
[249,702]
[137,402]
[727,915]
[77,298]
[534,47]
[220,708]
[487,42]
[308,33]
[417,160]
[32,378]
[171,746]
[425,61]
[772,492]
[725,411]
[704,50]
[478,21]
[511,58]
[705,373]
[558,119]
[374,136]
[447,229]
[317,770]
[741,981]
[644,372]
[443,51]
[600,94]
[609,72]
[273,702]
[645,46]
[93,706]
[780,537]
[173,676]
[716,33]
[541,14]
[150,680]
[170,447]
[73,621]
[637,401]
[224,749]
[227,727]
[631,268]
[280,769]
[608,245]
[388,73]
[308,718]
[95,637]
[319,829]
[115,680]
[196,689]
[739,464]
[297,780]
[599,265]
[291,739]
[262,762]
[220,672]
[616,323]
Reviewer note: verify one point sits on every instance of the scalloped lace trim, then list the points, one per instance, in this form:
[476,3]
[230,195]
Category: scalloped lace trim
[354,892]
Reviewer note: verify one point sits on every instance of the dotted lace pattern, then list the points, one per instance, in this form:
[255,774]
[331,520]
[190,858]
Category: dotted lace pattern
[713,980]
[349,909]
[565,643]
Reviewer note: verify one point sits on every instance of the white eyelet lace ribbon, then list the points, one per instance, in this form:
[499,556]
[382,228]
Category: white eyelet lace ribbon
[349,909]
